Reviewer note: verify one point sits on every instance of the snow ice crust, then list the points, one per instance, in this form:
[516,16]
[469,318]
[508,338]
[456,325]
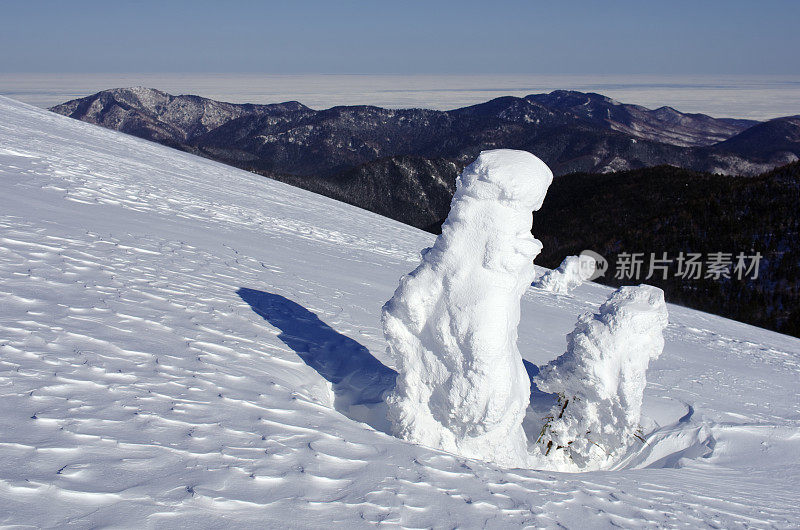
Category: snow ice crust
[572,272]
[452,323]
[601,380]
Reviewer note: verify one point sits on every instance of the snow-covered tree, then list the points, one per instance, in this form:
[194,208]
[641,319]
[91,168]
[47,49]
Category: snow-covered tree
[572,272]
[452,323]
[600,381]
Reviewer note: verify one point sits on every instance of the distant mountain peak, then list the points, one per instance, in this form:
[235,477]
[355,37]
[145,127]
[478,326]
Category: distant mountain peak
[156,115]
[664,124]
[139,91]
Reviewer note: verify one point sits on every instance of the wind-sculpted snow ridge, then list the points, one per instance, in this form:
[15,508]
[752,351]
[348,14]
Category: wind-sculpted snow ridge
[600,381]
[572,272]
[452,323]
[183,344]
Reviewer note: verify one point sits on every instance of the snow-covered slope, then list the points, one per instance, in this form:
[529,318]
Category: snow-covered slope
[183,343]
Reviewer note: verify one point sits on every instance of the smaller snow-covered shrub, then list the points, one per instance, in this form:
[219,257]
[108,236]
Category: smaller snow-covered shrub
[600,381]
[572,272]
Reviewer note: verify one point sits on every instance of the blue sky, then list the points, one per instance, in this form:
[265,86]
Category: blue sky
[347,36]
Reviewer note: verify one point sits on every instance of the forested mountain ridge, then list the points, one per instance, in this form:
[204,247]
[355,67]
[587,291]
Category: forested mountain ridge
[679,212]
[570,131]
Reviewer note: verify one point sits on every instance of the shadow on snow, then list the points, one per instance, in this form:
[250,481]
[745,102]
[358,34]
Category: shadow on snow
[359,381]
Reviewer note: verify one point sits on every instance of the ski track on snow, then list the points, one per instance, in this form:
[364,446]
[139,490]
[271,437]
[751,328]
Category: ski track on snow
[138,388]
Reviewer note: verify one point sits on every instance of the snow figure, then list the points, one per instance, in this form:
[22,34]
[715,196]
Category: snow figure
[452,323]
[572,272]
[600,381]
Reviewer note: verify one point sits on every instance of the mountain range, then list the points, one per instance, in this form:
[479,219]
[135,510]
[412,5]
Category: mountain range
[403,163]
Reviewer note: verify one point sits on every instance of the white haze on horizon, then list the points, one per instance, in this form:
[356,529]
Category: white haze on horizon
[754,97]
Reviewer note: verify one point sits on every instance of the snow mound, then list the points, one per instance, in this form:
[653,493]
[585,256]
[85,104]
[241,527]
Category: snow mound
[572,272]
[452,323]
[600,381]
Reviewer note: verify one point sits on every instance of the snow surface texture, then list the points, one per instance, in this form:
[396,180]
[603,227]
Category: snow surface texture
[600,381]
[169,331]
[452,323]
[572,272]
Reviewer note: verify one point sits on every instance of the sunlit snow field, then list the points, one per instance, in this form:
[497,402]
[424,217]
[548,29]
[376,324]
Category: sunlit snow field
[167,325]
[756,97]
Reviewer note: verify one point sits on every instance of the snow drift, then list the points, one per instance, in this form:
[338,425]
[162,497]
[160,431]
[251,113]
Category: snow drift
[600,381]
[452,323]
[572,272]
